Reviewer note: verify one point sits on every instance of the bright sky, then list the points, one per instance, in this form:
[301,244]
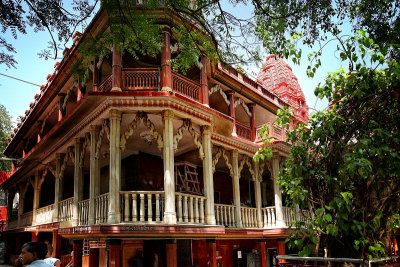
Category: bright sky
[16,95]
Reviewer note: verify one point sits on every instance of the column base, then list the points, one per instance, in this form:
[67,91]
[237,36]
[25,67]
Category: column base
[113,218]
[211,221]
[166,89]
[116,89]
[170,217]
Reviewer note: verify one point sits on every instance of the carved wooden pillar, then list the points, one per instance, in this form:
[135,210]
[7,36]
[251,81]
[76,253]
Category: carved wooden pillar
[114,254]
[61,110]
[263,253]
[114,214]
[208,176]
[231,96]
[116,69]
[95,75]
[277,192]
[166,72]
[257,193]
[36,196]
[172,260]
[94,173]
[203,80]
[77,248]
[252,107]
[281,248]
[212,252]
[236,187]
[169,177]
[78,182]
[57,185]
[93,257]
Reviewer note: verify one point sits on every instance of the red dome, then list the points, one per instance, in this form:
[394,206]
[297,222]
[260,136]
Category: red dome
[278,77]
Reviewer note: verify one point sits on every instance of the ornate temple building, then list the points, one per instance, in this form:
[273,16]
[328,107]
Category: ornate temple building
[142,160]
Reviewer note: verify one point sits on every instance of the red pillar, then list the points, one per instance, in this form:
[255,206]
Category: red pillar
[35,236]
[114,253]
[166,72]
[95,75]
[78,246]
[39,129]
[281,248]
[204,84]
[93,257]
[56,243]
[263,253]
[116,70]
[172,260]
[79,91]
[231,96]
[61,110]
[212,252]
[252,121]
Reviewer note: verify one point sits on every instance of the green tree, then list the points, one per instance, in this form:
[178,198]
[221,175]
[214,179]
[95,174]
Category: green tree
[5,132]
[344,165]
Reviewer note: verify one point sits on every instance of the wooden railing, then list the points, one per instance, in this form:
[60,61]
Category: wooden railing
[273,132]
[65,209]
[101,208]
[269,216]
[225,215]
[106,84]
[290,215]
[142,206]
[185,86]
[249,216]
[190,208]
[26,219]
[243,131]
[83,212]
[141,79]
[45,214]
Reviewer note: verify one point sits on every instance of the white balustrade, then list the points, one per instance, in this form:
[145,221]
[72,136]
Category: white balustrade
[101,208]
[225,215]
[190,208]
[289,215]
[65,209]
[142,206]
[45,214]
[83,212]
[249,216]
[269,216]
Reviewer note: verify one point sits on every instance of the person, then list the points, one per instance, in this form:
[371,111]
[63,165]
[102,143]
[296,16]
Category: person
[33,254]
[49,259]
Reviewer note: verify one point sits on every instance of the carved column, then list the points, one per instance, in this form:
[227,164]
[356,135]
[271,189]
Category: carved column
[94,173]
[231,96]
[236,187]
[257,192]
[169,177]
[277,192]
[208,176]
[203,80]
[166,72]
[252,107]
[78,182]
[57,185]
[36,196]
[114,214]
[95,75]
[61,110]
[116,70]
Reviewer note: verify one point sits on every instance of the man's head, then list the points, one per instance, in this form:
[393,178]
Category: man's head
[32,251]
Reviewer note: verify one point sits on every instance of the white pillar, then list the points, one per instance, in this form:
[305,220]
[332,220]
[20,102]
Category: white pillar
[257,192]
[169,177]
[208,176]
[114,214]
[277,192]
[57,186]
[94,173]
[236,187]
[36,195]
[78,182]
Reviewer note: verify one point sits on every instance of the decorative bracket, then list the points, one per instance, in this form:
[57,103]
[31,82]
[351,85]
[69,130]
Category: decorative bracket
[85,146]
[240,101]
[228,163]
[141,116]
[187,125]
[217,88]
[216,158]
[105,130]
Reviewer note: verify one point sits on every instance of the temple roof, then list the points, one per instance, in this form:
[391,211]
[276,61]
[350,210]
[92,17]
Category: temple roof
[278,77]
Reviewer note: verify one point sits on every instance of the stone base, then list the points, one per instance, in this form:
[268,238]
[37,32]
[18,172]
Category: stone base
[116,89]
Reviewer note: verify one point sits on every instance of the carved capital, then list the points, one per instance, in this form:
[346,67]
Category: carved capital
[206,129]
[115,114]
[168,114]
